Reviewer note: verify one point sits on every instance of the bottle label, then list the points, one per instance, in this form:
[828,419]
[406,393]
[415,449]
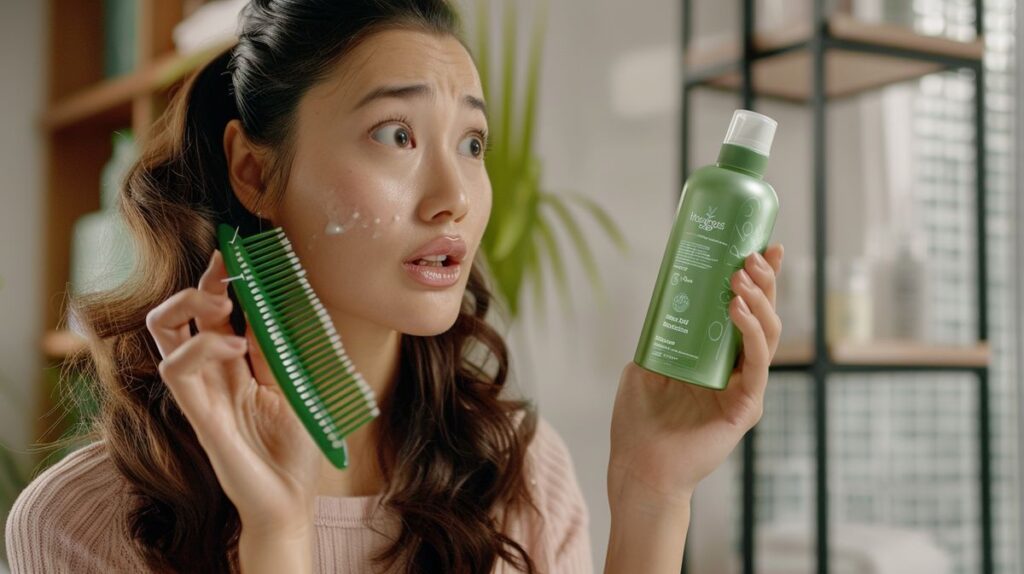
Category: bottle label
[713,242]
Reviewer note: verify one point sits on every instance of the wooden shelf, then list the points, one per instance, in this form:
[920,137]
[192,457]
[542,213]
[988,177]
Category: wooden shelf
[784,70]
[893,353]
[111,99]
[793,354]
[83,108]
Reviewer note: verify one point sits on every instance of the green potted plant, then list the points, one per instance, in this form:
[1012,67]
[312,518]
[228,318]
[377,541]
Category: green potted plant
[521,231]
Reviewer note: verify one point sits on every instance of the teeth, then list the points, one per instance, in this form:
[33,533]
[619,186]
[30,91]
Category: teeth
[433,261]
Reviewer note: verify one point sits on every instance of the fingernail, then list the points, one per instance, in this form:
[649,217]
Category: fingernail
[743,305]
[760,261]
[745,278]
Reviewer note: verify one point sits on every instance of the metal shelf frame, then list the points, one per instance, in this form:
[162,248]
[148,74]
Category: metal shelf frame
[821,366]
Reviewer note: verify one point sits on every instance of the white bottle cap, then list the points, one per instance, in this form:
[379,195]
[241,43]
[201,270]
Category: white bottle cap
[751,130]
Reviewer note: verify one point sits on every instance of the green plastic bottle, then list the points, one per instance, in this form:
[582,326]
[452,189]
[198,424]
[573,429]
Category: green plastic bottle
[725,213]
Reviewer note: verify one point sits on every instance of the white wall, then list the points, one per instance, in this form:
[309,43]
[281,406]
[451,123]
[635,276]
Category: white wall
[22,94]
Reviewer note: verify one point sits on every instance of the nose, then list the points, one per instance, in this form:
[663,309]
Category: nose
[445,194]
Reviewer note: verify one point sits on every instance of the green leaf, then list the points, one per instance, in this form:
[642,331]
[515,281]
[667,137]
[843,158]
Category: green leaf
[533,269]
[510,271]
[518,236]
[532,86]
[555,260]
[603,219]
[508,80]
[520,217]
[577,237]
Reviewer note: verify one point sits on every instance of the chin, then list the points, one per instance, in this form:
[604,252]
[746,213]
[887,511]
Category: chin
[429,324]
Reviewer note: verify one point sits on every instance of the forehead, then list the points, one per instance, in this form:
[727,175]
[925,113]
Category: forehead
[403,56]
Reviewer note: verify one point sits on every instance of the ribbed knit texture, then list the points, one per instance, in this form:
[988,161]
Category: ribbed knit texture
[72,519]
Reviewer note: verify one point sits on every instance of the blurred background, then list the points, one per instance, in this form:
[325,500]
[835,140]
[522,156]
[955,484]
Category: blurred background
[896,450]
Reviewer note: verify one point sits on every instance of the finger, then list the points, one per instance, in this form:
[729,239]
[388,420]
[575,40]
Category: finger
[260,368]
[168,322]
[212,284]
[757,357]
[763,309]
[773,254]
[763,274]
[180,371]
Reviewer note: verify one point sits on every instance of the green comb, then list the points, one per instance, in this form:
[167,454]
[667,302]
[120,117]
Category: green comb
[297,338]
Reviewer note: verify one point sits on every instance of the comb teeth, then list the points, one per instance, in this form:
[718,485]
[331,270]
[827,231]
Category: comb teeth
[299,339]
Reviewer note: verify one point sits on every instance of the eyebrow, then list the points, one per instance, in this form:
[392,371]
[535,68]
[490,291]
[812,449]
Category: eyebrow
[415,91]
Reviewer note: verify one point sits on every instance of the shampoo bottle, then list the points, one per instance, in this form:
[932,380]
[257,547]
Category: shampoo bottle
[725,213]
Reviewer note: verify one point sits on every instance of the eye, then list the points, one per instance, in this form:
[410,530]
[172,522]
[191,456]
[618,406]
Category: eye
[390,134]
[474,146]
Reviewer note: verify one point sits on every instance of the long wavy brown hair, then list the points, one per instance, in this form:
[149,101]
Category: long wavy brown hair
[452,447]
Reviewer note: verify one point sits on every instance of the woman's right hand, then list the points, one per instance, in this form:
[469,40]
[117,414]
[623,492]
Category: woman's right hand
[265,460]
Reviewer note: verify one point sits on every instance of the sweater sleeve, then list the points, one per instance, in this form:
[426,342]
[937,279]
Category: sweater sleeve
[70,519]
[567,520]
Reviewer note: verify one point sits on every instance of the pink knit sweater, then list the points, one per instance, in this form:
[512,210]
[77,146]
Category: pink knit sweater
[71,519]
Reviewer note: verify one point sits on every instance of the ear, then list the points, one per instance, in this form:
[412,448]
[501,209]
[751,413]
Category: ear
[246,163]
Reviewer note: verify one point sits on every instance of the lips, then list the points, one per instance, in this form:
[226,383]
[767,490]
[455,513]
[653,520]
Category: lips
[452,246]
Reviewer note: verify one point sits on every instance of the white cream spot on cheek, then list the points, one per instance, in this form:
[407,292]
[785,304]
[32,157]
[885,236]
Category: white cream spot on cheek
[333,227]
[309,244]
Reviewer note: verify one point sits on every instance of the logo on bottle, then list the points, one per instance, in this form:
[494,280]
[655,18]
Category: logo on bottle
[708,221]
[680,302]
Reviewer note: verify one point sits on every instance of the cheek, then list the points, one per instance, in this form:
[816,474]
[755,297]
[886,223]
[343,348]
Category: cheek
[360,206]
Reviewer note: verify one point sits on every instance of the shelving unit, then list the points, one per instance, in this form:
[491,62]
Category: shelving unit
[860,57]
[83,109]
[836,56]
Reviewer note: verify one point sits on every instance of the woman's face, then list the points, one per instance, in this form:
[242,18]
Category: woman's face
[389,156]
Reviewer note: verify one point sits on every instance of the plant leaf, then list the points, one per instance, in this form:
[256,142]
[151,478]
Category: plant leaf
[533,270]
[508,80]
[555,260]
[512,230]
[603,219]
[577,237]
[532,86]
[520,217]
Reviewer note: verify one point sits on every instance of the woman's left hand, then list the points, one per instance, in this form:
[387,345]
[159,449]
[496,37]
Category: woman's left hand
[667,435]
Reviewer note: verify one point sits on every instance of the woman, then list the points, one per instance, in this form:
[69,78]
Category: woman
[360,128]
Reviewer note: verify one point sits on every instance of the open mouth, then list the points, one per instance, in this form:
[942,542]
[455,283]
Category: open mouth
[435,271]
[436,261]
